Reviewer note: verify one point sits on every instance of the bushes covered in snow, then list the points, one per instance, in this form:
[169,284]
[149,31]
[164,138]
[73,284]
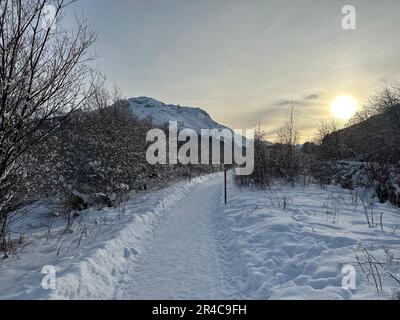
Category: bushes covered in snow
[101,154]
[272,162]
[45,75]
[96,158]
[382,179]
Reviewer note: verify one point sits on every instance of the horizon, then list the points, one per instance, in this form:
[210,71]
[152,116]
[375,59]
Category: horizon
[243,74]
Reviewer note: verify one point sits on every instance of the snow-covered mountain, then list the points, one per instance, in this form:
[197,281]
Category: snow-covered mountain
[161,113]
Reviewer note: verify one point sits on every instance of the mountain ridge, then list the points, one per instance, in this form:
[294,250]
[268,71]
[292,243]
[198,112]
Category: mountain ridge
[162,113]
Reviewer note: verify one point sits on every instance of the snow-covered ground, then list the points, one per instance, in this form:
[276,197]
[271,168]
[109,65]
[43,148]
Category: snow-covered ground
[294,241]
[94,258]
[183,243]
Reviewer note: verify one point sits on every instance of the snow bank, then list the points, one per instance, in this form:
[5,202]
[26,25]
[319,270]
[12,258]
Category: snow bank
[293,242]
[115,239]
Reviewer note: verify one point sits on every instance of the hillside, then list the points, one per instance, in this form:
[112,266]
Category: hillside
[161,113]
[377,138]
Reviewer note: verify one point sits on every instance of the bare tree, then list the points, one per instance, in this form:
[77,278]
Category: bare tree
[288,136]
[329,140]
[384,100]
[101,97]
[116,94]
[325,128]
[44,77]
[261,175]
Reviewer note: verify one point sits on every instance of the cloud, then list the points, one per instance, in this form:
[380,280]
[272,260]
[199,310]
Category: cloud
[283,103]
[307,101]
[310,100]
[314,96]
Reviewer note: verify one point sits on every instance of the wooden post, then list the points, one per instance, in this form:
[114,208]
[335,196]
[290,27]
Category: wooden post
[225,184]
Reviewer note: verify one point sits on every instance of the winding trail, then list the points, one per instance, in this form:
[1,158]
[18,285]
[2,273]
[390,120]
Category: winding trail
[186,257]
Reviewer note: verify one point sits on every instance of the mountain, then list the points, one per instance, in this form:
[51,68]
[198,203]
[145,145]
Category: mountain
[161,113]
[187,117]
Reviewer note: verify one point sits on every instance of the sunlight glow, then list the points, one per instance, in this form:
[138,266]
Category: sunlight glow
[344,107]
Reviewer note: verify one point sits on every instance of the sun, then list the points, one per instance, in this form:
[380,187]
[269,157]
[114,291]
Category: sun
[344,107]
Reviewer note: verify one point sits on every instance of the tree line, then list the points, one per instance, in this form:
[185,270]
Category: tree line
[368,146]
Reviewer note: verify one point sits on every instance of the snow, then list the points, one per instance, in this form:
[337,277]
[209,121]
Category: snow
[183,243]
[113,239]
[183,260]
[161,113]
[298,252]
[186,117]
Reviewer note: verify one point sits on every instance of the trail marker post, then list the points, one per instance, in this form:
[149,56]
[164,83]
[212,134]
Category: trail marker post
[225,185]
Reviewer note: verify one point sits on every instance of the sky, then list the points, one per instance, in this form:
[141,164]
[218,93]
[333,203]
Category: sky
[245,61]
